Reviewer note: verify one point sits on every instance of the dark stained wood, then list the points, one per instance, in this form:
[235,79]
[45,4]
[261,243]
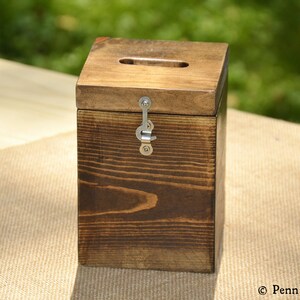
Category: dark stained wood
[164,211]
[180,77]
[146,212]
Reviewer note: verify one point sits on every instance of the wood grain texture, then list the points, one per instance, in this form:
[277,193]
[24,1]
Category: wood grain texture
[107,84]
[152,212]
[219,216]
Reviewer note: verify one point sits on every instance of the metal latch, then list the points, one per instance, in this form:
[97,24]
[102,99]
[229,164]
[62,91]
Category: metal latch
[144,132]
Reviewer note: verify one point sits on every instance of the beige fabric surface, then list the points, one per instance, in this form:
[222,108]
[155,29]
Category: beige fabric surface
[262,226]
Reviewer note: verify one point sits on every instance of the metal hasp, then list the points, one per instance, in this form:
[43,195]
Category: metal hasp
[143,132]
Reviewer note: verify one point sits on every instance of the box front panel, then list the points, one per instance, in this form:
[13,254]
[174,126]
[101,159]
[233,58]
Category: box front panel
[151,212]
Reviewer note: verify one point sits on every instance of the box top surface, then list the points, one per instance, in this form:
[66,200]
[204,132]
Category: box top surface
[179,77]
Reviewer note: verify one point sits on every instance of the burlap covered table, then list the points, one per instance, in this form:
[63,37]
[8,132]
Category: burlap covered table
[38,226]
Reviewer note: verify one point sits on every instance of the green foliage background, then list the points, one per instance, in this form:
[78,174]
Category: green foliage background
[264,37]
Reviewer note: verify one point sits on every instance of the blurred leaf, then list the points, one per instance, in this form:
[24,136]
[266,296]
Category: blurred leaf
[263,37]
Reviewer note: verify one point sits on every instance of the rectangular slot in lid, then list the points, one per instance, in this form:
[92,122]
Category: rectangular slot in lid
[169,63]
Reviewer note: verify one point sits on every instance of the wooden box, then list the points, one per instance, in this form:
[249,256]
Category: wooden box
[143,202]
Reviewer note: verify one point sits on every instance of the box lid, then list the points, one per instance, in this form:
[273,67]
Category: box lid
[179,77]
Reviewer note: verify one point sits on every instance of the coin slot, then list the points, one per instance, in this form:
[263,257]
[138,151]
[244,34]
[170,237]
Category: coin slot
[170,63]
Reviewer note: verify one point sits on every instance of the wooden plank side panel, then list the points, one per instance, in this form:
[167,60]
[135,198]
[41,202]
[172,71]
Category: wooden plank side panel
[152,212]
[220,175]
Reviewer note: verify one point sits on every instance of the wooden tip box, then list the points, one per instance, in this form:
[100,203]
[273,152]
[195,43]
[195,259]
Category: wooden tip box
[143,202]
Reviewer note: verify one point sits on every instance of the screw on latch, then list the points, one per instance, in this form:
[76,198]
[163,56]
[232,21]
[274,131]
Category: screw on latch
[144,132]
[145,102]
[146,149]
